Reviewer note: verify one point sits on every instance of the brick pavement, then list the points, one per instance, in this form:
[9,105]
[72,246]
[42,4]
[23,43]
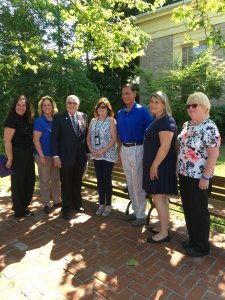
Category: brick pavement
[44,257]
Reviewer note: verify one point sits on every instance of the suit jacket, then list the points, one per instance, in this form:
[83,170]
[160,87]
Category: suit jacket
[65,143]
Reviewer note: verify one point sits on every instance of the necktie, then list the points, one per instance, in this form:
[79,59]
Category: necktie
[75,125]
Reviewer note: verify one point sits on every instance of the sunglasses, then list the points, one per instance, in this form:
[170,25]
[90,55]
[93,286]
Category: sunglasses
[102,106]
[192,105]
[70,103]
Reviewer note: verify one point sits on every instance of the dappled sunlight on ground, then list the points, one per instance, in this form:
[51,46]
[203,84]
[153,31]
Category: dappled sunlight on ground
[92,257]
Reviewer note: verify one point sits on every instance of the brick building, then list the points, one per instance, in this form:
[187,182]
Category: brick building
[167,43]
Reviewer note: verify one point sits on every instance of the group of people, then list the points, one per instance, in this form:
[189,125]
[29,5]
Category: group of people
[152,153]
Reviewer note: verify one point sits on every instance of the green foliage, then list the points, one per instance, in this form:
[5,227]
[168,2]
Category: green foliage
[197,14]
[71,29]
[218,116]
[205,74]
[111,81]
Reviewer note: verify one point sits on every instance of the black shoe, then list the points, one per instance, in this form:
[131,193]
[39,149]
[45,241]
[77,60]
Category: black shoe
[19,216]
[47,209]
[66,216]
[164,240]
[151,229]
[81,209]
[59,204]
[186,244]
[27,213]
[195,253]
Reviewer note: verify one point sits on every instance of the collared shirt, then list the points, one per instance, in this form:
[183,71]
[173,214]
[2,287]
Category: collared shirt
[132,125]
[43,125]
[75,117]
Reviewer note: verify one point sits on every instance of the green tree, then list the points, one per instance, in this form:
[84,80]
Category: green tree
[74,28]
[206,74]
[197,14]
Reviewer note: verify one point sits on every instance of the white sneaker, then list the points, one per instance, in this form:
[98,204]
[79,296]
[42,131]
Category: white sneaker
[100,210]
[107,211]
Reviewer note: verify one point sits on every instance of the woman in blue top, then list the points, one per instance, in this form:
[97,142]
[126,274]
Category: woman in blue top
[101,141]
[48,173]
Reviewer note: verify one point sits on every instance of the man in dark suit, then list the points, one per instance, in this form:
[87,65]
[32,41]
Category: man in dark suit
[69,130]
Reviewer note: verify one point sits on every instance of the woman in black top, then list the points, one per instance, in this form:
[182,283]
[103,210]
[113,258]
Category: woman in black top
[19,150]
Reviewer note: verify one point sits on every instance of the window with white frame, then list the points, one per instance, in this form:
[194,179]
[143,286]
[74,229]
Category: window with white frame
[189,53]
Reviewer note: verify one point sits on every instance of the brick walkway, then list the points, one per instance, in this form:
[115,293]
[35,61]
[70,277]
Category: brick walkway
[45,257]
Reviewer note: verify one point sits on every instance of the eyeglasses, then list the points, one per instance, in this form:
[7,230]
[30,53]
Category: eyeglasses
[102,106]
[70,103]
[192,105]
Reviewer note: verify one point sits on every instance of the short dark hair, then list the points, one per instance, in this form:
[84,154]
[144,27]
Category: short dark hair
[129,86]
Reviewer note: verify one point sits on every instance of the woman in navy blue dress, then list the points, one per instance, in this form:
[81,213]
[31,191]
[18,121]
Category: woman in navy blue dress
[159,162]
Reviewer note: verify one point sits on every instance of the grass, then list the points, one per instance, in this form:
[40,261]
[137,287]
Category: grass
[220,165]
[216,223]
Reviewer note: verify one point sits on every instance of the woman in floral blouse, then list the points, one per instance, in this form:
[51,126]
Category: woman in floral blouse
[199,143]
[101,141]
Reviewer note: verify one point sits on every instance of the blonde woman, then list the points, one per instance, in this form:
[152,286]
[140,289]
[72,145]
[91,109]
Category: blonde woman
[159,162]
[48,173]
[199,143]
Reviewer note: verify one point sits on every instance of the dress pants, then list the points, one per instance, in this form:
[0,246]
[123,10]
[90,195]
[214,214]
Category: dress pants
[71,181]
[23,180]
[132,161]
[103,170]
[49,181]
[195,205]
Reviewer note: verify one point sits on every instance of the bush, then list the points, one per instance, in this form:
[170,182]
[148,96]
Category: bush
[217,114]
[206,74]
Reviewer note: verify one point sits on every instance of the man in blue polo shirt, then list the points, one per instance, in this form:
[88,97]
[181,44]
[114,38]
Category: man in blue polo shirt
[132,121]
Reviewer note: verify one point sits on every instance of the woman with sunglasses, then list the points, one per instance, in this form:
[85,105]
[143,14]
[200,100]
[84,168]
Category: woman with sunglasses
[198,149]
[101,141]
[48,173]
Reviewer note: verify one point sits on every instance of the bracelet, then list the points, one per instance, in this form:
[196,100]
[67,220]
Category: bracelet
[203,177]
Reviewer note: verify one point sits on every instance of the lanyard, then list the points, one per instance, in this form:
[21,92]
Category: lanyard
[98,129]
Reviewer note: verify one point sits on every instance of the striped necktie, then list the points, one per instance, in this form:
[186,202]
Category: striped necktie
[75,125]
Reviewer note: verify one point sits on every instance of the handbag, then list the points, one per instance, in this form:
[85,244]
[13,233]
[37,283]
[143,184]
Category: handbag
[3,170]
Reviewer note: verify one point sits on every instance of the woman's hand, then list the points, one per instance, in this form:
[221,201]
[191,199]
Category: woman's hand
[153,172]
[99,153]
[9,163]
[8,136]
[43,161]
[203,184]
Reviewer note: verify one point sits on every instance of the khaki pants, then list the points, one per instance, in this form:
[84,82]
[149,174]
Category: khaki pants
[132,161]
[49,181]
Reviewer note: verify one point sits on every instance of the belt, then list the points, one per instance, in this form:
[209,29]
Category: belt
[132,144]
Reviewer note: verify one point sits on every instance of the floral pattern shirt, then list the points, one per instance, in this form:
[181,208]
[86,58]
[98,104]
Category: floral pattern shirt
[103,130]
[193,143]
